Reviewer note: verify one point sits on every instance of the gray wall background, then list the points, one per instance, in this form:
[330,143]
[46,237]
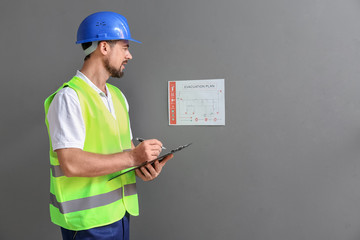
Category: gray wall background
[285,166]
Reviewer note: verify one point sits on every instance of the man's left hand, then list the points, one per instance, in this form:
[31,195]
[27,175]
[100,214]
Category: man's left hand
[150,172]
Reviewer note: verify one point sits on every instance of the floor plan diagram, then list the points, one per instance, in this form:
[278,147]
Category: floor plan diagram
[197,102]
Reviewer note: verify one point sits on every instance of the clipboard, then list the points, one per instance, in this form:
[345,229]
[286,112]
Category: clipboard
[151,162]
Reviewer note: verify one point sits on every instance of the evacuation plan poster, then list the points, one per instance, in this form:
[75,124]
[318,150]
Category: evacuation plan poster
[196,102]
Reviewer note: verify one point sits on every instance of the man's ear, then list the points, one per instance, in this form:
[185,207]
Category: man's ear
[104,48]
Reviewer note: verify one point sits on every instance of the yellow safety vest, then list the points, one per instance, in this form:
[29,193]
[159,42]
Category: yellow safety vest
[79,203]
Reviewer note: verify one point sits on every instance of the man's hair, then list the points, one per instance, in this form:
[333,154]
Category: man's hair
[88,44]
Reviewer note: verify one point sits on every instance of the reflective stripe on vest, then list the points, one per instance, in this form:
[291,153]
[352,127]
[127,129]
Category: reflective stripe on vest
[56,171]
[93,201]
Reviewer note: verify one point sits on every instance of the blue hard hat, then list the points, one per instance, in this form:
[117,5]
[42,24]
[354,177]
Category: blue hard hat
[102,26]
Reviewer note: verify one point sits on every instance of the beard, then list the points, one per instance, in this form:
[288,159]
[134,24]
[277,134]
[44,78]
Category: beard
[114,72]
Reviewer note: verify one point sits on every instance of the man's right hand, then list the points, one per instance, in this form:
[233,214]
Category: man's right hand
[146,151]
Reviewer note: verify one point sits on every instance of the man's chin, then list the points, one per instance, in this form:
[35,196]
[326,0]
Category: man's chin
[117,75]
[113,72]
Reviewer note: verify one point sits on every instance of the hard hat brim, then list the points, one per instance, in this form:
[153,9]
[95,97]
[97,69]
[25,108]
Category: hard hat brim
[96,39]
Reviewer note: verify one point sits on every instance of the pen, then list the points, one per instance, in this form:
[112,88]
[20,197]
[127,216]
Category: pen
[141,140]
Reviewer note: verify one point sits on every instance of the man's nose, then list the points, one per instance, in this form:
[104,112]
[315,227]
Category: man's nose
[129,56]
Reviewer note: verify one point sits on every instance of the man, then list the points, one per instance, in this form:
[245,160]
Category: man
[91,140]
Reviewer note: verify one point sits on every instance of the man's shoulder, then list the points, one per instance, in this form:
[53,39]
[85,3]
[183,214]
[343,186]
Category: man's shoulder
[61,93]
[66,95]
[67,91]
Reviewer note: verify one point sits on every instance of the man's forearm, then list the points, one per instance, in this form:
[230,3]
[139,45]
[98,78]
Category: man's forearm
[78,163]
[75,162]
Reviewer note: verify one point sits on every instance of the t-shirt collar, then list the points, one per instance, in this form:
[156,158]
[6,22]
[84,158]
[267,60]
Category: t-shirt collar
[101,93]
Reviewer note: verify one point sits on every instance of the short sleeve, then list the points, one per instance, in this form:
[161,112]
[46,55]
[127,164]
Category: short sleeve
[66,124]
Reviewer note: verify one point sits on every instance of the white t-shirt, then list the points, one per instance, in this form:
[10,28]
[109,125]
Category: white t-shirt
[66,124]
